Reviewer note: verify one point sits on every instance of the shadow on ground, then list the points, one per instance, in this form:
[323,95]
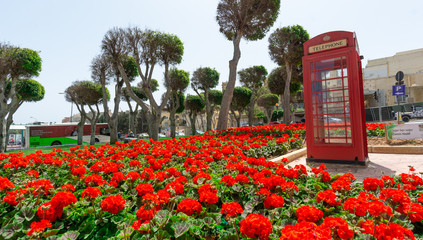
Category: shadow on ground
[373,170]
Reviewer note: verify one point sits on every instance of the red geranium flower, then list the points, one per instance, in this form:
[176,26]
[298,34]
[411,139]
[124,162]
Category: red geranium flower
[309,214]
[113,204]
[256,226]
[144,188]
[228,179]
[39,226]
[372,184]
[305,230]
[91,193]
[338,226]
[63,199]
[145,214]
[189,206]
[231,209]
[49,212]
[274,201]
[328,197]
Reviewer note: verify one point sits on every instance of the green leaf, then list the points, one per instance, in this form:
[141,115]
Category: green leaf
[71,235]
[161,235]
[161,217]
[28,213]
[236,187]
[180,228]
[19,217]
[10,230]
[126,233]
[210,223]
[51,232]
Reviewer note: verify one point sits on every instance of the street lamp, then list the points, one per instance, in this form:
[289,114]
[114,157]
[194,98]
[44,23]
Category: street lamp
[277,105]
[70,119]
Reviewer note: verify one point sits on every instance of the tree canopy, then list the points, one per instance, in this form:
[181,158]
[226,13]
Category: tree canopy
[286,45]
[194,103]
[241,98]
[178,80]
[276,81]
[268,100]
[215,97]
[204,78]
[253,18]
[30,90]
[85,93]
[253,77]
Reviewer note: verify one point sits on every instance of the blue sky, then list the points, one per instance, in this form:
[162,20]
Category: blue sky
[68,35]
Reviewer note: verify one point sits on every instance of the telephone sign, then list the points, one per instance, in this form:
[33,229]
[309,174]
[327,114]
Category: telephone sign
[398,90]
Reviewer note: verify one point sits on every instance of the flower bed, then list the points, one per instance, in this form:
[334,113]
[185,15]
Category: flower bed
[213,186]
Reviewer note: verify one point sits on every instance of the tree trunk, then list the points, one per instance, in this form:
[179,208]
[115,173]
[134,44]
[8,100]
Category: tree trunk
[209,113]
[113,129]
[193,117]
[4,136]
[251,113]
[222,123]
[269,114]
[92,138]
[81,129]
[172,124]
[287,95]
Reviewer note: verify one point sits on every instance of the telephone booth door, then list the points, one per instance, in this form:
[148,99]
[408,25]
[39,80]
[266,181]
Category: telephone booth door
[334,101]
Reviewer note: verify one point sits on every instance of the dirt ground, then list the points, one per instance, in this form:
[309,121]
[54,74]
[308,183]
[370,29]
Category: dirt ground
[397,142]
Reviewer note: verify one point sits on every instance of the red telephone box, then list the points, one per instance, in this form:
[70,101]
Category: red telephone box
[334,101]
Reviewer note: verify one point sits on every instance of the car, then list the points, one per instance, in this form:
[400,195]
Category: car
[199,132]
[161,135]
[274,123]
[333,120]
[417,112]
[143,135]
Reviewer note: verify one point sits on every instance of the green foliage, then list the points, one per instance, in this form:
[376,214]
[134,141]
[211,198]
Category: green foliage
[181,103]
[194,103]
[215,97]
[169,47]
[260,115]
[131,67]
[24,62]
[178,80]
[253,77]
[29,90]
[277,114]
[252,18]
[276,81]
[268,100]
[85,93]
[204,78]
[241,98]
[286,45]
[139,92]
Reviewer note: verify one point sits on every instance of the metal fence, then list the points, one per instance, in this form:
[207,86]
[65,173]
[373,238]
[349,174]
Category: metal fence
[388,113]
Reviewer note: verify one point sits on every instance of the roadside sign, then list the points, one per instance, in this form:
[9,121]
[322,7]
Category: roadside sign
[399,76]
[398,90]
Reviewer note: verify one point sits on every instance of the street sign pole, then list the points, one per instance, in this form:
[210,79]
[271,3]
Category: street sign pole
[399,76]
[399,110]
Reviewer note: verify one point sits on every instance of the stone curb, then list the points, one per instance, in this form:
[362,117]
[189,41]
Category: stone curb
[291,156]
[371,149]
[395,149]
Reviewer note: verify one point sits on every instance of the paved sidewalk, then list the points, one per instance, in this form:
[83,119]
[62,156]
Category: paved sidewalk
[379,165]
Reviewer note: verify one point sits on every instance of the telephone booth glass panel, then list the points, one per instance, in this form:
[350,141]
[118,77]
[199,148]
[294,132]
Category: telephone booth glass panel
[330,101]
